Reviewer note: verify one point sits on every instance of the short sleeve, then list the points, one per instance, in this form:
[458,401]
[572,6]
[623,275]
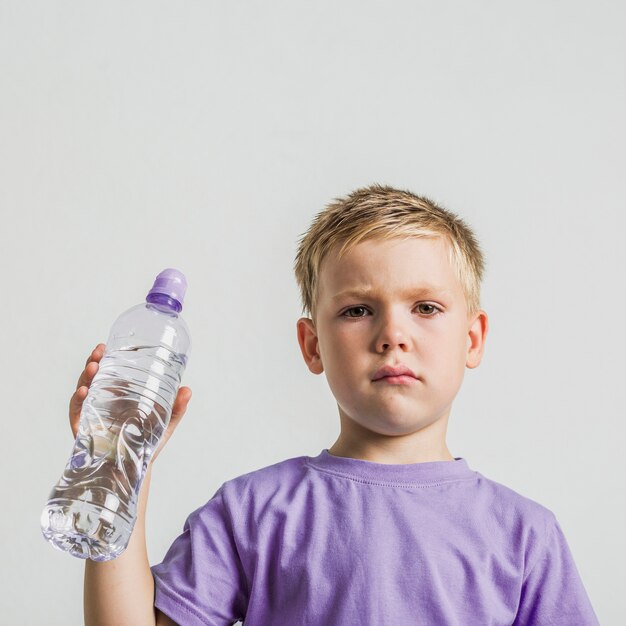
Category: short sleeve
[552,591]
[201,581]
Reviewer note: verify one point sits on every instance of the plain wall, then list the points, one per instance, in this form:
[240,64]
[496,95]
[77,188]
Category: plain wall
[205,135]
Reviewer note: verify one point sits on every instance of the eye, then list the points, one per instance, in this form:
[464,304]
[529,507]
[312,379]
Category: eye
[354,308]
[431,306]
[431,312]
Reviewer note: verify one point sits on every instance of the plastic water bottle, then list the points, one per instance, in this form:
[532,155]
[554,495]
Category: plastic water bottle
[92,509]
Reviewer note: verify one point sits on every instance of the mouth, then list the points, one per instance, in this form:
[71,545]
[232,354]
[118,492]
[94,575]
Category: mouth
[397,380]
[394,373]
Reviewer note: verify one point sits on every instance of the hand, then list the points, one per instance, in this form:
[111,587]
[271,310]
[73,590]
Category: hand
[82,387]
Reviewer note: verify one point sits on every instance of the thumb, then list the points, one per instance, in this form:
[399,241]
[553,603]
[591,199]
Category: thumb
[179,408]
[180,405]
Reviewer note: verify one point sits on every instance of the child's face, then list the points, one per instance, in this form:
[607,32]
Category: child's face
[429,332]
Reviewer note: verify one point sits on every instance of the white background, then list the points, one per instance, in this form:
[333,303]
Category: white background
[205,135]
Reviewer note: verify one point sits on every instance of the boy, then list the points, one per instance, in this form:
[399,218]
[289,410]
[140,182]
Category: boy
[386,526]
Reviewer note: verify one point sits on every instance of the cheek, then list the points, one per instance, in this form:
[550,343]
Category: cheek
[445,350]
[337,355]
[342,352]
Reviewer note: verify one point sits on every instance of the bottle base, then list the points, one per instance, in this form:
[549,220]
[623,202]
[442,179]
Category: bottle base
[85,530]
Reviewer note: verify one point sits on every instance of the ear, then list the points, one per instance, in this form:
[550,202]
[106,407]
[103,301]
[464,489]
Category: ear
[476,336]
[309,345]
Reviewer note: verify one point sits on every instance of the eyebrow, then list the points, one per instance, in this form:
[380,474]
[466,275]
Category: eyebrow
[408,293]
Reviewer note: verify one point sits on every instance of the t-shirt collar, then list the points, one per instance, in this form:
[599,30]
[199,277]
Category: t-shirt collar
[427,473]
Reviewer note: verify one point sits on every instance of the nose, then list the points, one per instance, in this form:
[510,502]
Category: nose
[392,333]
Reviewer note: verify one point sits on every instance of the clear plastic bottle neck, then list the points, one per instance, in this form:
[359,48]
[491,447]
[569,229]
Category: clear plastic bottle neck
[164,303]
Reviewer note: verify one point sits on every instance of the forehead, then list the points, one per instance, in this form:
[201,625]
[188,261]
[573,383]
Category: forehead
[402,265]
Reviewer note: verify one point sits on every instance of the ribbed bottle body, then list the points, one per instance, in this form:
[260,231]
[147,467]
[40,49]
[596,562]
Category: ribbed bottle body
[92,509]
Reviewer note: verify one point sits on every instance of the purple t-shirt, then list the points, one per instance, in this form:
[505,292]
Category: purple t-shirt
[328,540]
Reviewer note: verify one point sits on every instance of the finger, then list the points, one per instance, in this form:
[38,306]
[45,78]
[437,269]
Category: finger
[87,375]
[90,370]
[96,353]
[76,405]
[180,404]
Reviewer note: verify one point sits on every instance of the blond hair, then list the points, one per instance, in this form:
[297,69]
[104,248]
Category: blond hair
[382,212]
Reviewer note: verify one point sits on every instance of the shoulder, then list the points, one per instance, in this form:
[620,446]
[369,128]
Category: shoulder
[510,498]
[523,519]
[266,482]
[251,495]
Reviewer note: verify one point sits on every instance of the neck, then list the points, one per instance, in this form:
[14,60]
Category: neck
[390,452]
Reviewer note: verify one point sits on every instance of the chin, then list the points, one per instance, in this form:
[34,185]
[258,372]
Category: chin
[393,427]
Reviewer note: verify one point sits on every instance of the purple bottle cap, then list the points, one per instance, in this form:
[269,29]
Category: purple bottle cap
[169,289]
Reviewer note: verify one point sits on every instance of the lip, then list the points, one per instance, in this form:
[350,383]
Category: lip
[393,370]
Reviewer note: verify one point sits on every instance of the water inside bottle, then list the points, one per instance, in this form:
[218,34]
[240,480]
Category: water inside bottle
[91,511]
